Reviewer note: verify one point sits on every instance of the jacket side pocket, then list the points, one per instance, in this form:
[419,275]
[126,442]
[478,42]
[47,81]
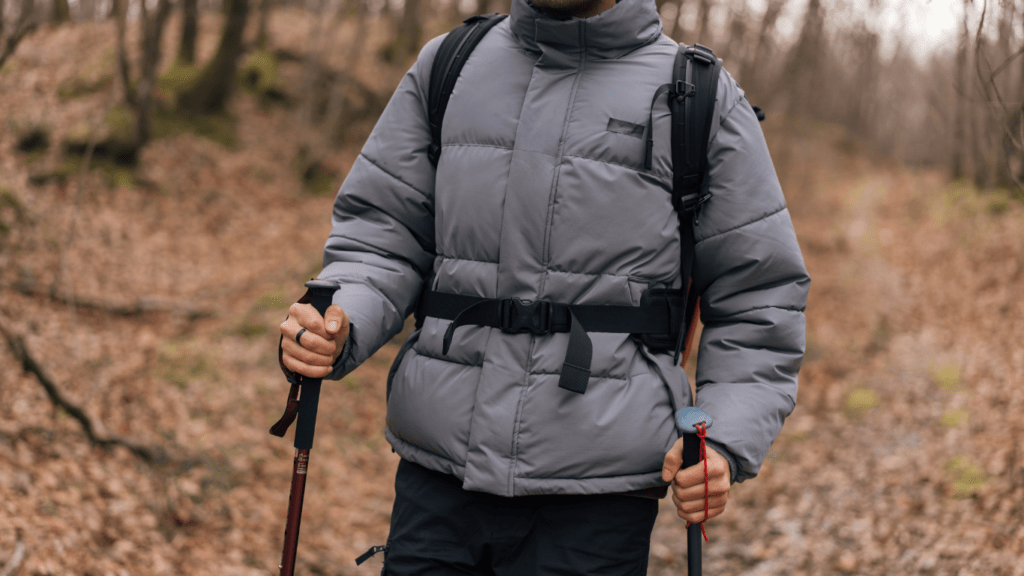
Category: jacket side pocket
[409,343]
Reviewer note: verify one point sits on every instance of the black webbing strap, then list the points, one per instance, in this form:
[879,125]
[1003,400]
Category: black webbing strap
[691,100]
[451,57]
[695,86]
[516,316]
[291,410]
[695,89]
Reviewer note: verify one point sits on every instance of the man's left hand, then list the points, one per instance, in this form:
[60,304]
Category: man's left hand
[688,483]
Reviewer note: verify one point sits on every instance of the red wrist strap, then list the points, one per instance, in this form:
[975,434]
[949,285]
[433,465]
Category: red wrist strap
[702,433]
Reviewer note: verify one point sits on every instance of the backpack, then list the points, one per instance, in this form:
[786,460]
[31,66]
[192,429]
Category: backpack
[691,97]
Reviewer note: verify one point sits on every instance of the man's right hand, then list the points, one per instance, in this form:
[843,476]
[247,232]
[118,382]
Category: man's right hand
[320,345]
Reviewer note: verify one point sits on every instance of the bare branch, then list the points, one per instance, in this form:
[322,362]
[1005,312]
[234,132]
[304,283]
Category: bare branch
[987,80]
[29,364]
[12,566]
[1009,60]
[144,305]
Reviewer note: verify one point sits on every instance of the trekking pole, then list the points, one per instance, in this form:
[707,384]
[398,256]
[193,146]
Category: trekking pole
[694,422]
[322,293]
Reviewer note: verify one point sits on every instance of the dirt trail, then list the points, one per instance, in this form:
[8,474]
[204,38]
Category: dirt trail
[903,455]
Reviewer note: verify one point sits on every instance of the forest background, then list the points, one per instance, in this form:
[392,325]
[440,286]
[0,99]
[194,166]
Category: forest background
[167,170]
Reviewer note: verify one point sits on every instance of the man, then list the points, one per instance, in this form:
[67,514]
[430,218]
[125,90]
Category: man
[542,195]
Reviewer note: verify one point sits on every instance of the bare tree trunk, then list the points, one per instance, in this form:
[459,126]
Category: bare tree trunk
[980,150]
[123,66]
[1002,84]
[751,67]
[25,24]
[958,165]
[735,42]
[337,109]
[672,25]
[61,11]
[410,28]
[988,119]
[703,31]
[312,70]
[152,32]
[262,35]
[189,31]
[804,63]
[212,88]
[1016,125]
[866,46]
[454,14]
[87,9]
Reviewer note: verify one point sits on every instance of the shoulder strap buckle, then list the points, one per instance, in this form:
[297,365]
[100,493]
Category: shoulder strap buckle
[702,53]
[692,202]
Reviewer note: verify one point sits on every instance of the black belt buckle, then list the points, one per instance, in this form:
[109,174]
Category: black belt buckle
[522,316]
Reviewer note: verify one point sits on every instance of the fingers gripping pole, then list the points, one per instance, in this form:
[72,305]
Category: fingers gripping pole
[322,293]
[694,422]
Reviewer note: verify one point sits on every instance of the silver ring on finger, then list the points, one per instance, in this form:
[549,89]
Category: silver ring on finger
[298,335]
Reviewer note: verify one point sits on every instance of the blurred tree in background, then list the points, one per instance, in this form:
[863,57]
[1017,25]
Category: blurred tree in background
[189,31]
[956,103]
[211,90]
[167,170]
[10,34]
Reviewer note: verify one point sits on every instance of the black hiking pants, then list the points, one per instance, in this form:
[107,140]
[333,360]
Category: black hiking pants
[439,529]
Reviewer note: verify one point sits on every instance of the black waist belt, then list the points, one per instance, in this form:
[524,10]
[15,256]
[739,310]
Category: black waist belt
[539,317]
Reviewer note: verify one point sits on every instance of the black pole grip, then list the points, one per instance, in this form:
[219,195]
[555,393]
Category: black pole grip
[691,456]
[322,293]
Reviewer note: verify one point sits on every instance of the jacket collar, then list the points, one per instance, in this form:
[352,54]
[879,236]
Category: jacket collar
[611,34]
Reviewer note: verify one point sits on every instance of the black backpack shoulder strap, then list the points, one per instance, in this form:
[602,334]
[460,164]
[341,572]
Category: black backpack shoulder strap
[448,62]
[695,88]
[692,102]
[451,57]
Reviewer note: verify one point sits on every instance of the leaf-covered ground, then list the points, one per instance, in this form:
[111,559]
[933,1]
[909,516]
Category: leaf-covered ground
[903,455]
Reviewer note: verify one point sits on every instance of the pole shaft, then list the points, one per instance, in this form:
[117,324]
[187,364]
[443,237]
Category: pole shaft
[321,292]
[691,456]
[291,530]
[693,552]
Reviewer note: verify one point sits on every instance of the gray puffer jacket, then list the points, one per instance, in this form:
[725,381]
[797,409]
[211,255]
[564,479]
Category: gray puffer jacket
[536,198]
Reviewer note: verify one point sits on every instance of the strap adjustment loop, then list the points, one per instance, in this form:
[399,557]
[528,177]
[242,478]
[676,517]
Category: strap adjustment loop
[684,89]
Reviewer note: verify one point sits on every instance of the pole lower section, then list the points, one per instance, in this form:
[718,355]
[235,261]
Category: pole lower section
[291,530]
[693,553]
